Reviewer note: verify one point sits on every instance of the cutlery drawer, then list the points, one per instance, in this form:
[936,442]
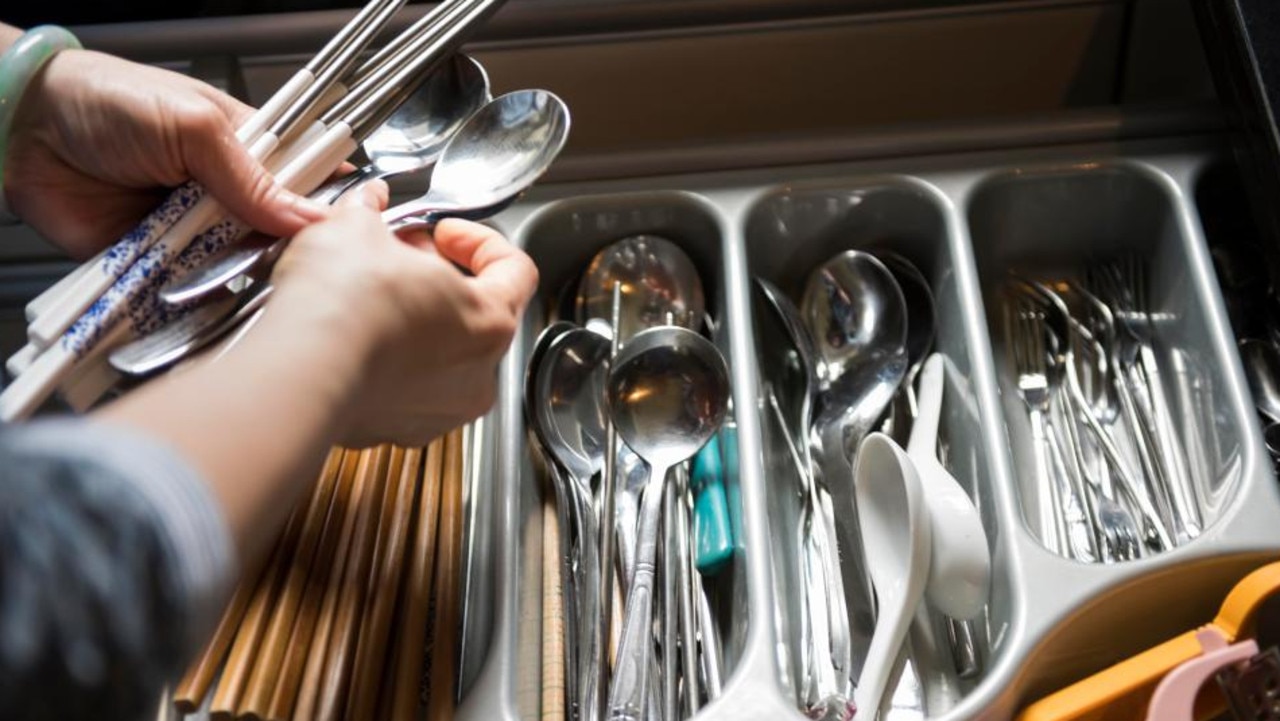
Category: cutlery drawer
[965,221]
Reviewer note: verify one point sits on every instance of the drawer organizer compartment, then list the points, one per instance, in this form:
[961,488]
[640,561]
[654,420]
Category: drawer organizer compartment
[964,223]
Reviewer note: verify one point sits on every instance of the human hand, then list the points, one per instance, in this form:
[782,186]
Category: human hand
[96,139]
[413,341]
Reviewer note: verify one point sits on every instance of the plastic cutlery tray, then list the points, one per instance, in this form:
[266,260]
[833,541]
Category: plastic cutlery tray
[965,221]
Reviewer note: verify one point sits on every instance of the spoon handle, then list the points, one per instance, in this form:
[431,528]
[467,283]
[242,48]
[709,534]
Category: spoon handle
[631,677]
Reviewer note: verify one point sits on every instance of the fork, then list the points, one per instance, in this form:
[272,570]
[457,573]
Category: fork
[1058,322]
[1029,359]
[1128,286]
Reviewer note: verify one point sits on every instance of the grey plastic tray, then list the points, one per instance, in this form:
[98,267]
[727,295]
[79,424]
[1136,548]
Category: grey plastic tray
[964,220]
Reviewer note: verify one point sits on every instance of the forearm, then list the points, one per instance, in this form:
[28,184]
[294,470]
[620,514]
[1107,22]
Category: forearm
[256,422]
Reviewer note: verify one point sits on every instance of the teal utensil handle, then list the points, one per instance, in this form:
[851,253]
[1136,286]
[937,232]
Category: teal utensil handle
[712,529]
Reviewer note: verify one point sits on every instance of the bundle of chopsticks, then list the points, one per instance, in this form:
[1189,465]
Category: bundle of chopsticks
[358,609]
[302,135]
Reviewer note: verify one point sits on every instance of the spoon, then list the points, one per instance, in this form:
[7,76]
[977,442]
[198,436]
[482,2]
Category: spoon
[960,571]
[960,565]
[918,296]
[189,333]
[856,316]
[493,158]
[787,361]
[894,517]
[411,139]
[569,413]
[657,278]
[1262,369]
[668,393]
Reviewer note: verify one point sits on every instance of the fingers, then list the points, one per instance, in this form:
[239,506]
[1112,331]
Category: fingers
[373,195]
[505,270]
[218,161]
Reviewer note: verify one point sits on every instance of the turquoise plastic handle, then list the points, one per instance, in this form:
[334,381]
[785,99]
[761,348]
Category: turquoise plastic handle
[712,529]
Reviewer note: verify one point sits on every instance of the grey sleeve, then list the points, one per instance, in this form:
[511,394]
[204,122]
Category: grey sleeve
[114,563]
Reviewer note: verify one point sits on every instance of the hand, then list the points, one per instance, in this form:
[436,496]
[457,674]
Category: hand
[426,338]
[96,139]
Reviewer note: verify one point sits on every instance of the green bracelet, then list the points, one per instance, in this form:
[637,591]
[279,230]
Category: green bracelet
[18,66]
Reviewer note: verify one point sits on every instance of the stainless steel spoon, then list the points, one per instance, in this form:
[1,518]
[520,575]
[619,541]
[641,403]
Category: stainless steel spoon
[657,279]
[493,158]
[411,139]
[568,410]
[857,317]
[668,393]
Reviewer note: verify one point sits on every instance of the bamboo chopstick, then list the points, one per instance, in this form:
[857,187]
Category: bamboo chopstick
[194,686]
[371,651]
[256,698]
[313,675]
[342,639]
[553,670]
[417,591]
[236,671]
[301,638]
[447,585]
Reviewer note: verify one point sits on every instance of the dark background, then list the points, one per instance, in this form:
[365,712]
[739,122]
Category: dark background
[80,12]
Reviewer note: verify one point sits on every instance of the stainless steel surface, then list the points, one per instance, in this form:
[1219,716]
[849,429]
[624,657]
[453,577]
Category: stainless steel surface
[494,157]
[1261,361]
[411,139]
[668,394]
[655,279]
[964,221]
[189,333]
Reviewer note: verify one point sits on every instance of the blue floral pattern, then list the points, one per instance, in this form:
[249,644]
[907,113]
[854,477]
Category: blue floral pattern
[137,291]
[125,251]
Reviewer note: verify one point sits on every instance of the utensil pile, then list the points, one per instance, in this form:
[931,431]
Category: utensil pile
[357,610]
[146,283]
[841,365]
[1112,474]
[631,368]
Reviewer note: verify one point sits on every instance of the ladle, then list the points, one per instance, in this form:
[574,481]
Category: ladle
[410,140]
[857,317]
[668,393]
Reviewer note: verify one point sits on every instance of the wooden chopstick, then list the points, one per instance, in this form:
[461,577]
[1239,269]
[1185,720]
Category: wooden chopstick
[342,638]
[309,692]
[285,692]
[235,673]
[194,686]
[447,586]
[553,670]
[371,651]
[417,591]
[256,699]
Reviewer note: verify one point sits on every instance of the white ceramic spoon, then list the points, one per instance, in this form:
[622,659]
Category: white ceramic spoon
[960,569]
[896,541]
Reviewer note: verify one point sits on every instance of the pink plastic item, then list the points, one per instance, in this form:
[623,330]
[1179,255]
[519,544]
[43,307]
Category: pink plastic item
[1175,697]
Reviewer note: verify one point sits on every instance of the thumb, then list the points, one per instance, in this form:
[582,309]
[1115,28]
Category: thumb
[216,159]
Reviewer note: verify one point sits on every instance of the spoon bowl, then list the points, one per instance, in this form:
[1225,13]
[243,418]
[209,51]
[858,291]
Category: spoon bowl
[656,278]
[960,570]
[857,316]
[494,157]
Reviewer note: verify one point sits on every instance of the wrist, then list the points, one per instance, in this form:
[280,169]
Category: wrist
[20,67]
